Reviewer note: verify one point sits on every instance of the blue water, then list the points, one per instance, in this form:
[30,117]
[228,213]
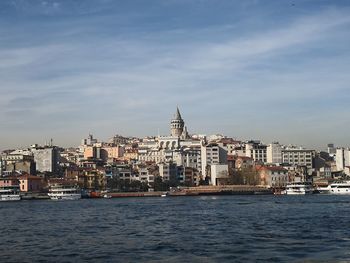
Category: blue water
[178,229]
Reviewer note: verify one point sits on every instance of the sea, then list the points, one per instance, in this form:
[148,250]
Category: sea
[250,228]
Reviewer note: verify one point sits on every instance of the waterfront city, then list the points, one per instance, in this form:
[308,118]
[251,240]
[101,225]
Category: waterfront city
[176,164]
[174,131]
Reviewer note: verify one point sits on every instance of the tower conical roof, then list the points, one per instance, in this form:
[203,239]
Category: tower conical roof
[177,114]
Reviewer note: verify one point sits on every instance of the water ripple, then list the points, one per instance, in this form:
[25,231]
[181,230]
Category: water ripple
[184,229]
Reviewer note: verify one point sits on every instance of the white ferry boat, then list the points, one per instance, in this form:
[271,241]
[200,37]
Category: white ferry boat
[299,188]
[10,193]
[64,192]
[339,188]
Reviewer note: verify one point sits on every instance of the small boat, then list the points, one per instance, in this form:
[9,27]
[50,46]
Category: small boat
[164,194]
[64,192]
[10,193]
[107,196]
[322,190]
[299,188]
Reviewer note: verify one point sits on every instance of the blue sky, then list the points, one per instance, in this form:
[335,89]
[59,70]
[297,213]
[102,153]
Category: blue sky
[269,70]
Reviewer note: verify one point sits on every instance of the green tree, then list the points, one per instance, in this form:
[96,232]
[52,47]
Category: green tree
[159,185]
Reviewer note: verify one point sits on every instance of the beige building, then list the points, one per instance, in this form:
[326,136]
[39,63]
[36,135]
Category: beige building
[108,153]
[95,179]
[273,176]
[131,154]
[31,183]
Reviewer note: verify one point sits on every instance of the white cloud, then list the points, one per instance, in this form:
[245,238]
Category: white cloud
[125,74]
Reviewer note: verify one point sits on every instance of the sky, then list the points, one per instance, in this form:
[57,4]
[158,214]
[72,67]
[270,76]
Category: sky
[268,70]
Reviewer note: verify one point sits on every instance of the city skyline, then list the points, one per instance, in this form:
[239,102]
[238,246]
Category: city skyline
[268,70]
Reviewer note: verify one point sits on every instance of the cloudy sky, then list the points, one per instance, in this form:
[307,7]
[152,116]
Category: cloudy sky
[269,70]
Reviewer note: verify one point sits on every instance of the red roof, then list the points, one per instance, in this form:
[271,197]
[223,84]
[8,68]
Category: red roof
[30,177]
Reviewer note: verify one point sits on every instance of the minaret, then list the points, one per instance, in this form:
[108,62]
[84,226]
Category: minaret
[177,124]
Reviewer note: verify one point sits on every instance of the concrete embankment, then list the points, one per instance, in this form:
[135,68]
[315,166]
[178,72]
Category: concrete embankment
[134,194]
[222,190]
[200,190]
[183,191]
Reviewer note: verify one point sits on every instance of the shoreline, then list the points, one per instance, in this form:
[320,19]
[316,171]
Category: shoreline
[189,191]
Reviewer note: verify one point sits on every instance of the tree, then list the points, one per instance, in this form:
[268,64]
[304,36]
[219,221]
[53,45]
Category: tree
[244,176]
[159,185]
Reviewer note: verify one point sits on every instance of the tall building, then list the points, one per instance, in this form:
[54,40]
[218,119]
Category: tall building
[342,158]
[167,148]
[331,149]
[89,141]
[256,150]
[274,153]
[177,124]
[46,158]
[212,154]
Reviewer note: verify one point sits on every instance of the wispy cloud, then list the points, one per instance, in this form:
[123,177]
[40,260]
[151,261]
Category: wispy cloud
[132,69]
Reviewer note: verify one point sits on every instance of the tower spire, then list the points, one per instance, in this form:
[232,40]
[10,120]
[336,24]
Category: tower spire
[178,114]
[177,124]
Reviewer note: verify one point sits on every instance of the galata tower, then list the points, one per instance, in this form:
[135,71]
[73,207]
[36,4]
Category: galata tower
[177,124]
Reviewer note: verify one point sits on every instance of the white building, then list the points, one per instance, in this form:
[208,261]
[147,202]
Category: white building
[217,172]
[212,154]
[298,156]
[342,158]
[256,150]
[46,158]
[331,149]
[274,153]
[178,148]
[191,157]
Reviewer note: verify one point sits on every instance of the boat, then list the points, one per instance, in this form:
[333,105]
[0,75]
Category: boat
[107,196]
[323,189]
[95,194]
[64,192]
[339,188]
[299,188]
[10,193]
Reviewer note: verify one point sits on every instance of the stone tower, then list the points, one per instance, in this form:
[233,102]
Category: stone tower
[177,124]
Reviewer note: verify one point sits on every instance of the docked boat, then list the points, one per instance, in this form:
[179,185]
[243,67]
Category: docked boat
[322,190]
[107,196]
[339,188]
[299,188]
[10,193]
[64,192]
